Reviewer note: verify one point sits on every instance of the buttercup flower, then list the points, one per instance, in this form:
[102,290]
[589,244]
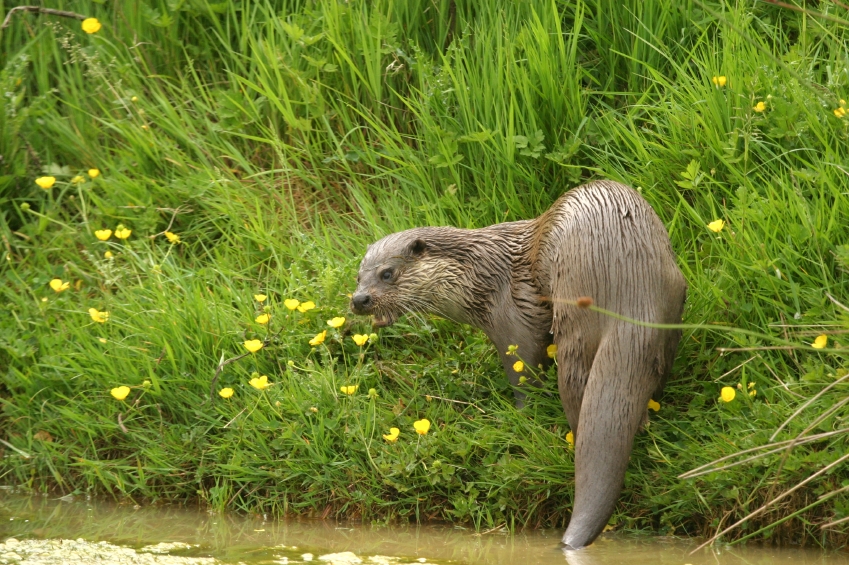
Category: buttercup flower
[719,80]
[727,394]
[102,339]
[319,338]
[511,350]
[570,439]
[350,389]
[262,319]
[97,316]
[260,383]
[551,350]
[120,393]
[820,342]
[134,99]
[260,297]
[372,393]
[422,426]
[108,254]
[225,392]
[45,182]
[336,322]
[121,232]
[308,305]
[291,303]
[760,106]
[103,235]
[253,345]
[172,237]
[360,339]
[59,286]
[838,113]
[716,226]
[392,436]
[78,179]
[93,173]
[518,366]
[91,25]
[653,405]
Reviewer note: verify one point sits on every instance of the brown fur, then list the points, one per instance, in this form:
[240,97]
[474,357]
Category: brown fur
[519,281]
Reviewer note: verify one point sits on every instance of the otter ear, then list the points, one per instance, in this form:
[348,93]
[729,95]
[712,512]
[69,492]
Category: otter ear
[417,247]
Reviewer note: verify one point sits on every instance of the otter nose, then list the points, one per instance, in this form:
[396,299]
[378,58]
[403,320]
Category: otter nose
[361,302]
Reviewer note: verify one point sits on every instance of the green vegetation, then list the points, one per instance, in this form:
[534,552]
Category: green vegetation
[277,139]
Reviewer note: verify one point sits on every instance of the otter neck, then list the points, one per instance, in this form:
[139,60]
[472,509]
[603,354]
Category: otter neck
[500,294]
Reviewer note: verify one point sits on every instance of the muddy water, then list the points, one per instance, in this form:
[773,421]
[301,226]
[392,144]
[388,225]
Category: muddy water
[44,530]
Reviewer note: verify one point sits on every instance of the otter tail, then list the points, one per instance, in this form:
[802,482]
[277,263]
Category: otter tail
[612,409]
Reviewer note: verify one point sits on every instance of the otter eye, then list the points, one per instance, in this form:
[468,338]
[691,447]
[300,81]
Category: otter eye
[386,275]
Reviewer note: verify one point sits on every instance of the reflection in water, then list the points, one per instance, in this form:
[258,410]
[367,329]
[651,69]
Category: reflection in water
[252,540]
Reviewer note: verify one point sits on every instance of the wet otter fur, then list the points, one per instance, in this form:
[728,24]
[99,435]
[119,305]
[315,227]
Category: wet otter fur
[519,281]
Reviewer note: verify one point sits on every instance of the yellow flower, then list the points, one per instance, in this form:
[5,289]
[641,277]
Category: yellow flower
[518,366]
[225,392]
[291,303]
[653,405]
[360,339]
[570,439]
[760,106]
[719,80]
[103,235]
[91,25]
[120,393]
[336,322]
[392,436]
[253,345]
[121,232]
[102,339]
[134,99]
[108,254]
[260,383]
[727,394]
[551,350]
[58,285]
[45,182]
[820,342]
[260,297]
[172,237]
[422,426]
[753,393]
[716,225]
[319,338]
[262,319]
[94,173]
[350,389]
[78,180]
[838,112]
[97,316]
[308,305]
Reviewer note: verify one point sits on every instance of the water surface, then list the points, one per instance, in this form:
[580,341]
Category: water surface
[202,537]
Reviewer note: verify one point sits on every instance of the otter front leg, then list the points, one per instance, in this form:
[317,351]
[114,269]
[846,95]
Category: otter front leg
[532,354]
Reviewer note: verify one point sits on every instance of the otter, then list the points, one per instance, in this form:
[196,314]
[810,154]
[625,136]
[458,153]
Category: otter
[523,283]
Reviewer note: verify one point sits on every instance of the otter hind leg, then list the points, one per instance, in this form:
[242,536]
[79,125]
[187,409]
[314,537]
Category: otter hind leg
[620,383]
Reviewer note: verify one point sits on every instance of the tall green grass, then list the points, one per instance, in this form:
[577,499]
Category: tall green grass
[278,139]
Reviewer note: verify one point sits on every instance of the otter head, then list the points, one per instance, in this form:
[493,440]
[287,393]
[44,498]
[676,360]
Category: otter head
[403,272]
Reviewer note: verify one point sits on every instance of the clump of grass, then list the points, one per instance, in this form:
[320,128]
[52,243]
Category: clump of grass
[277,140]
